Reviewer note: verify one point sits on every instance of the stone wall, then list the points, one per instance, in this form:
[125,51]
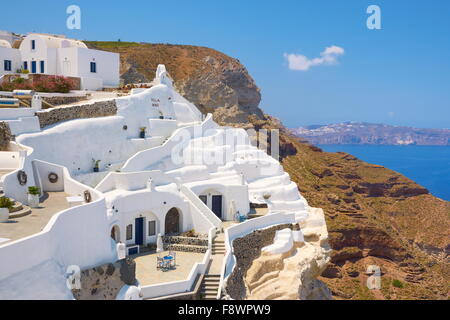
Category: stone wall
[246,250]
[5,136]
[104,282]
[91,110]
[61,100]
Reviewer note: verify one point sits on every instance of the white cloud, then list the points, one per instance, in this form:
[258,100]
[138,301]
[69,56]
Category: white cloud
[299,62]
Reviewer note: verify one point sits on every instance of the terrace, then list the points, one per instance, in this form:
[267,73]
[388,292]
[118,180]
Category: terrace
[35,222]
[147,274]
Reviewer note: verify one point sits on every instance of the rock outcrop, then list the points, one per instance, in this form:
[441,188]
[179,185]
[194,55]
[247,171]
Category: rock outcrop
[271,267]
[211,80]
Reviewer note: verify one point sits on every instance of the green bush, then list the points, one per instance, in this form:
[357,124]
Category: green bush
[34,190]
[397,283]
[6,202]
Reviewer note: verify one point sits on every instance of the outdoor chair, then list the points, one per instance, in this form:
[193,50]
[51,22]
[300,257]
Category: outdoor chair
[159,263]
[173,254]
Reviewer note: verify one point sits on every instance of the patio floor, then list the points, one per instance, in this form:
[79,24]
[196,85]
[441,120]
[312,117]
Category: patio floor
[33,223]
[147,274]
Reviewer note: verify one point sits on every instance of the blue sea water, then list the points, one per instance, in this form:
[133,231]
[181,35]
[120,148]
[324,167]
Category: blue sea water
[429,166]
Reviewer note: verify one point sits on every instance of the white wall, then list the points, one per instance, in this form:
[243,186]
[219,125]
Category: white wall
[40,53]
[108,65]
[9,54]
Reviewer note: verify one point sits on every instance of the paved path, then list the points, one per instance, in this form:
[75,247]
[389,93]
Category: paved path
[18,228]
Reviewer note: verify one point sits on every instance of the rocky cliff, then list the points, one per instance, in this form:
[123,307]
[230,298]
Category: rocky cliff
[210,79]
[375,216]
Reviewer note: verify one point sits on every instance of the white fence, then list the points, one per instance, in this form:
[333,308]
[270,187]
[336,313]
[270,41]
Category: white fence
[176,287]
[200,207]
[242,229]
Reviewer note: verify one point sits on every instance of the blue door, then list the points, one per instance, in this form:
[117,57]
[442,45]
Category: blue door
[139,231]
[217,206]
[33,66]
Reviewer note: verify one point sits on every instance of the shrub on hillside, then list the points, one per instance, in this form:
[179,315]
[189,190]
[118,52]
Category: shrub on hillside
[57,84]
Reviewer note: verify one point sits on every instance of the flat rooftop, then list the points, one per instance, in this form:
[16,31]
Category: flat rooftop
[15,229]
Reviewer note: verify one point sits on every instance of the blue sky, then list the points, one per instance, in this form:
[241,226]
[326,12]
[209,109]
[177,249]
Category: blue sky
[398,75]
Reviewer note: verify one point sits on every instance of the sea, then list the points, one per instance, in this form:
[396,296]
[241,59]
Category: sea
[428,166]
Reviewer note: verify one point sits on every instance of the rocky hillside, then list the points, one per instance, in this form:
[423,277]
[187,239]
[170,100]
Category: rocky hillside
[374,215]
[371,133]
[208,78]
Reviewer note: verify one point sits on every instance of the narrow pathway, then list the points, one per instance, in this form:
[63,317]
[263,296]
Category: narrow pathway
[209,287]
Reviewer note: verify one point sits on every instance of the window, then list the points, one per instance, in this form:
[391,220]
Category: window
[204,199]
[42,66]
[130,232]
[33,44]
[152,228]
[25,65]
[93,67]
[7,65]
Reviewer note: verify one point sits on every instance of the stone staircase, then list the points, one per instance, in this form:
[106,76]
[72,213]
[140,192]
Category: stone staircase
[218,247]
[19,210]
[209,287]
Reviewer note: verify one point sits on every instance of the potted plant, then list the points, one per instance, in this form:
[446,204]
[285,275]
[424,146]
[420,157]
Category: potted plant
[33,196]
[96,165]
[142,132]
[5,205]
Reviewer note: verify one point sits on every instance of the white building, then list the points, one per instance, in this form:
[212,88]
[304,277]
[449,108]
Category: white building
[10,58]
[57,55]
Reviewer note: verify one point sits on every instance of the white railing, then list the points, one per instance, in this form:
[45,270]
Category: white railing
[202,208]
[242,229]
[176,287]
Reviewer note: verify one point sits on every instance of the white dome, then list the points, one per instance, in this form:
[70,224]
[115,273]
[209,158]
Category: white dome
[5,44]
[59,42]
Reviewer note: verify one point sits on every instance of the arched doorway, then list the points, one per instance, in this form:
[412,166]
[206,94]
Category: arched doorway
[115,233]
[172,221]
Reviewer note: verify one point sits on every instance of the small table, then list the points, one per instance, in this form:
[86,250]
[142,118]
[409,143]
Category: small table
[169,260]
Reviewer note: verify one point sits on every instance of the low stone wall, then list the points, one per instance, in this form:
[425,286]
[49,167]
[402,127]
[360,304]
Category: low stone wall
[246,250]
[104,282]
[185,248]
[185,240]
[5,136]
[91,110]
[61,100]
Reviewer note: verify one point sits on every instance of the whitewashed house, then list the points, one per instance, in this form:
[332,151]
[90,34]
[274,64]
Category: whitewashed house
[10,58]
[57,55]
[47,54]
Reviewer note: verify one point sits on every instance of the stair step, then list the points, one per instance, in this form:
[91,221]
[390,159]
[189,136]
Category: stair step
[22,213]
[211,280]
[209,276]
[209,291]
[210,288]
[16,207]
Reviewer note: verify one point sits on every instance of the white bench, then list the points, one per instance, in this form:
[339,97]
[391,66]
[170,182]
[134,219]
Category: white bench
[75,201]
[9,103]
